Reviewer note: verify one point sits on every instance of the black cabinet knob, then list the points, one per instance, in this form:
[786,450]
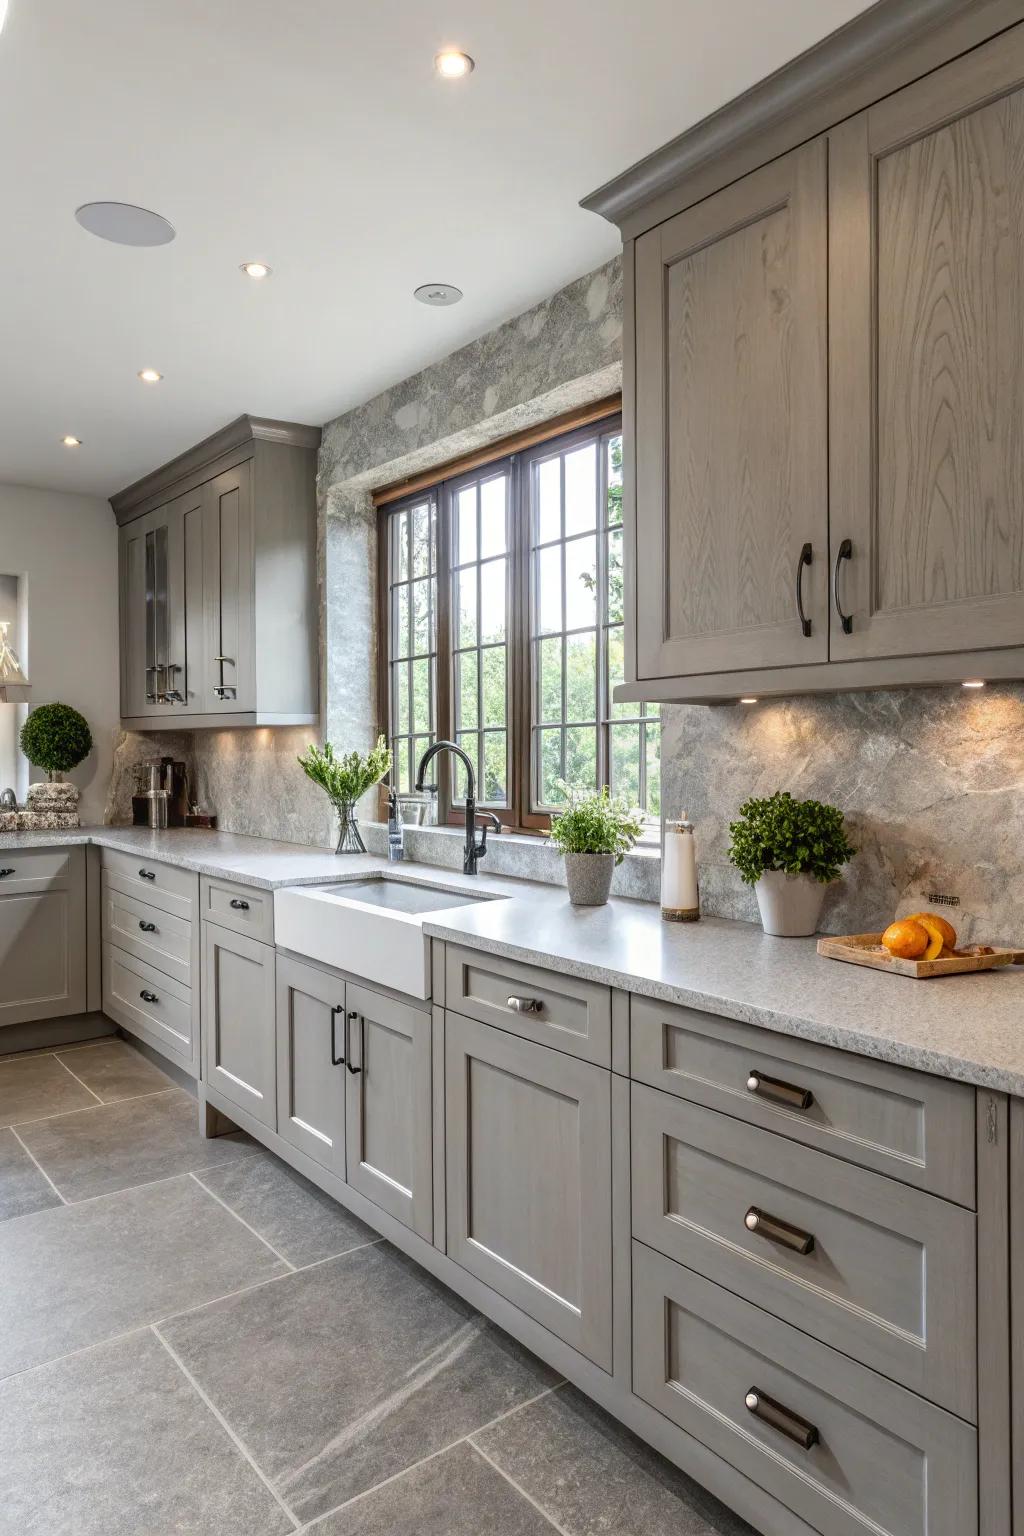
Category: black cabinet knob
[149,997]
[147,927]
[147,874]
[5,872]
[239,906]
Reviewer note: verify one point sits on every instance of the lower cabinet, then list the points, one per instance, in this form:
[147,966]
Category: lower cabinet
[42,934]
[311,1062]
[238,1014]
[528,1168]
[389,1106]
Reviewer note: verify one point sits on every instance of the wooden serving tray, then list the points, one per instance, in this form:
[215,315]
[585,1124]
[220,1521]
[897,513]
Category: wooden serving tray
[866,949]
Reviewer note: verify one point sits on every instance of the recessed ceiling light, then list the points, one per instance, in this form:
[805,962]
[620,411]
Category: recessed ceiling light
[451,64]
[438,294]
[124,223]
[973,682]
[69,441]
[150,376]
[256,269]
[748,700]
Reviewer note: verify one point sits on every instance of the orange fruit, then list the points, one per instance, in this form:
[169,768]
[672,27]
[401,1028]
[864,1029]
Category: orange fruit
[931,921]
[906,939]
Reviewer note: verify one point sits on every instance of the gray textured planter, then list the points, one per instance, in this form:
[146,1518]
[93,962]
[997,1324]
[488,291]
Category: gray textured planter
[589,878]
[790,905]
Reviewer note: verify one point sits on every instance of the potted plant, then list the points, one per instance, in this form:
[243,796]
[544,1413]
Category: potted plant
[57,738]
[789,851]
[594,832]
[345,780]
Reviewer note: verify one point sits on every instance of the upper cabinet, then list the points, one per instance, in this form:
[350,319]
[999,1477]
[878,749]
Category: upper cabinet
[218,582]
[824,364]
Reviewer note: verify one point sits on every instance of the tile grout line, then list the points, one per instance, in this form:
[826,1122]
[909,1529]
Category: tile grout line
[78,1080]
[83,1349]
[87,1109]
[292,1268]
[257,1285]
[520,1490]
[130,1189]
[443,1451]
[239,1444]
[62,1198]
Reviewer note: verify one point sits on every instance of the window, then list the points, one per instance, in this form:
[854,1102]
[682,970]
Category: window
[505,615]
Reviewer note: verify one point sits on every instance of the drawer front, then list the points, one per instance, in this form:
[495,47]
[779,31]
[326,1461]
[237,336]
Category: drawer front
[756,1391]
[540,1005]
[152,1005]
[160,938]
[888,1275]
[913,1127]
[27,870]
[242,908]
[160,885]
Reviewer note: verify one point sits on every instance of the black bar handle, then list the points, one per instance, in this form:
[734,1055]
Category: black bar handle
[779,1231]
[238,905]
[149,997]
[147,874]
[348,1043]
[147,927]
[845,553]
[788,1423]
[778,1092]
[336,1061]
[806,558]
[5,872]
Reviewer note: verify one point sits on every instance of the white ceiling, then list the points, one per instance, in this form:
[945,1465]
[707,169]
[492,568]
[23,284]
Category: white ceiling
[314,136]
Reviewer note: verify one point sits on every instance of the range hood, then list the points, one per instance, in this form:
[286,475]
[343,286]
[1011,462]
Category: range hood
[14,685]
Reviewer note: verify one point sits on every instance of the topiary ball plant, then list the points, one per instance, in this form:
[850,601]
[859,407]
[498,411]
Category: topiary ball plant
[57,738]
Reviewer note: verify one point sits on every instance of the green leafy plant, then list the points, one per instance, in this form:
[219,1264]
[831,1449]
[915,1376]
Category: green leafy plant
[797,836]
[56,737]
[346,779]
[594,823]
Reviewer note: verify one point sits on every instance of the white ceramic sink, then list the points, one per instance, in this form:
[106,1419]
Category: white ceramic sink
[372,928]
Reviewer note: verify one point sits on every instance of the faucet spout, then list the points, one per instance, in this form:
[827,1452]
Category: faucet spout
[474,850]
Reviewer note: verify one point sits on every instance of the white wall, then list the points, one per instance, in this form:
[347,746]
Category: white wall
[65,549]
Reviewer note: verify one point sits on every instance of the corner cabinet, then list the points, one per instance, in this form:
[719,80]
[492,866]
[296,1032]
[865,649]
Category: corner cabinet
[218,583]
[824,362]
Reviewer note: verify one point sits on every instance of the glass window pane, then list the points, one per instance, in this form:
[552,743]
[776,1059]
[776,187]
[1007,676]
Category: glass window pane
[652,711]
[549,580]
[549,501]
[423,617]
[417,747]
[400,696]
[400,638]
[422,540]
[469,742]
[614,451]
[581,756]
[581,677]
[581,583]
[400,755]
[492,661]
[625,762]
[493,494]
[465,605]
[616,675]
[549,702]
[401,560]
[466,706]
[492,601]
[581,489]
[465,518]
[495,769]
[653,734]
[421,714]
[616,590]
[549,748]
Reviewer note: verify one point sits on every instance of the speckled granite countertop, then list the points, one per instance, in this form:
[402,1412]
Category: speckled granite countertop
[970,1028]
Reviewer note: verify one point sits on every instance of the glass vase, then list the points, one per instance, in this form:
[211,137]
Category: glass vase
[349,838]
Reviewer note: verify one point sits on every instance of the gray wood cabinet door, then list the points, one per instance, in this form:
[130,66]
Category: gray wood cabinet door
[238,1013]
[732,427]
[229,577]
[311,1062]
[927,363]
[161,596]
[42,935]
[528,1160]
[388,1109]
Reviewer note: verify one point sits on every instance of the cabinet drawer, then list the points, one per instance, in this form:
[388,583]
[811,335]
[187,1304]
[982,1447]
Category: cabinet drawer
[26,870]
[152,1005]
[160,885]
[242,908]
[889,1277]
[883,1460]
[541,1005]
[160,938]
[913,1127]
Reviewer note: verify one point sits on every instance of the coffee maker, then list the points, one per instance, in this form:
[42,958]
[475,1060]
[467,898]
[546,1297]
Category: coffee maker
[161,793]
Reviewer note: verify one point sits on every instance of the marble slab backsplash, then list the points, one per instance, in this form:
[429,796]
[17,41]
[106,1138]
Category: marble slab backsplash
[931,782]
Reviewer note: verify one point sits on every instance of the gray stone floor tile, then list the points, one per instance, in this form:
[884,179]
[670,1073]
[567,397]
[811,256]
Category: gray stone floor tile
[340,1376]
[116,1146]
[591,1476]
[76,1275]
[113,1070]
[455,1494]
[22,1187]
[116,1442]
[32,1086]
[296,1218]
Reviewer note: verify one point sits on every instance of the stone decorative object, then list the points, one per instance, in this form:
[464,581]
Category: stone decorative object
[39,820]
[50,805]
[8,821]
[589,878]
[790,905]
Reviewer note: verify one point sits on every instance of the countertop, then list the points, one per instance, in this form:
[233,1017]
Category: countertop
[969,1028]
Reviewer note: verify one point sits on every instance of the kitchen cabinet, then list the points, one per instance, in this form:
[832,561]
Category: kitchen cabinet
[218,589]
[528,1142]
[42,934]
[238,1021]
[388,1109]
[311,1062]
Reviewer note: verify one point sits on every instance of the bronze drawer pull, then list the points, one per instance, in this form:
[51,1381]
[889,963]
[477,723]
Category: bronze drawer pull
[779,1092]
[790,1424]
[525,1005]
[778,1231]
[149,997]
[239,906]
[806,558]
[147,927]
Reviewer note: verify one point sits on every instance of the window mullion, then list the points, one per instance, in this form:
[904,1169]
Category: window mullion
[445,680]
[603,691]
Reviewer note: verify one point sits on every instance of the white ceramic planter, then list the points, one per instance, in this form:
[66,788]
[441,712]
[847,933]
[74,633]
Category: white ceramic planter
[790,904]
[589,878]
